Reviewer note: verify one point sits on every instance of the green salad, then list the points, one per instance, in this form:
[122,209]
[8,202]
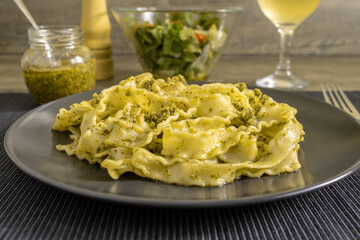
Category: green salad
[180,44]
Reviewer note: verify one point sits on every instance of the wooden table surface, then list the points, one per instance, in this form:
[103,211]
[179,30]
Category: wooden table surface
[315,70]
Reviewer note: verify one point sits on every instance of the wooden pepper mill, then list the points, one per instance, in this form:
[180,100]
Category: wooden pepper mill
[95,24]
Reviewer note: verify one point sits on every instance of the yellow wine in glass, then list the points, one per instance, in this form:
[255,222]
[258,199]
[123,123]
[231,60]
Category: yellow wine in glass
[286,15]
[288,11]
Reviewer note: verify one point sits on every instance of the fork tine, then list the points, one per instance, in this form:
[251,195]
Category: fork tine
[326,95]
[346,99]
[332,97]
[333,94]
[336,90]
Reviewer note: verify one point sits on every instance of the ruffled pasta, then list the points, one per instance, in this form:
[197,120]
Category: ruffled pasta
[170,131]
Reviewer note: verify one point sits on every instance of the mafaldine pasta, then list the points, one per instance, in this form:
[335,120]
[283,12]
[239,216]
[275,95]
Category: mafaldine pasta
[186,134]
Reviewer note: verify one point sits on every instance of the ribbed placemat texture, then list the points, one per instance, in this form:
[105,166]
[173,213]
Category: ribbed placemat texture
[30,209]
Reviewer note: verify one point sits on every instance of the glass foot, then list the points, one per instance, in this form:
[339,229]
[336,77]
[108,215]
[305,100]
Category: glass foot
[281,82]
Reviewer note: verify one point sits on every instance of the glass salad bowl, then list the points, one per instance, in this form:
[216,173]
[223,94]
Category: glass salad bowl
[171,42]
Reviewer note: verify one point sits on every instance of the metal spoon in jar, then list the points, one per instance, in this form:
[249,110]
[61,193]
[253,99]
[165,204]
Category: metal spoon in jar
[27,14]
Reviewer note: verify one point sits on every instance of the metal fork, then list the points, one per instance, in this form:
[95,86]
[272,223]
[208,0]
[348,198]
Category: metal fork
[333,94]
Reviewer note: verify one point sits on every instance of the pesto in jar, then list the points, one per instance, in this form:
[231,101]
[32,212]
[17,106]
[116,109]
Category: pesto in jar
[47,84]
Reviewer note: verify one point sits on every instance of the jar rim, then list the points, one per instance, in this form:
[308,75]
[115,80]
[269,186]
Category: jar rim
[55,35]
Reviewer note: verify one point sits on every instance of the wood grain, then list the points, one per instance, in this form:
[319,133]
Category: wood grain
[230,68]
[333,29]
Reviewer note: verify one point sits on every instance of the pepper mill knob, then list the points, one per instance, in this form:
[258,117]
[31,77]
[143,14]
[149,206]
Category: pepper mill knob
[95,24]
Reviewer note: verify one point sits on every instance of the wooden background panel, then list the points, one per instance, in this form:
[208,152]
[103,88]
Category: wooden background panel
[334,29]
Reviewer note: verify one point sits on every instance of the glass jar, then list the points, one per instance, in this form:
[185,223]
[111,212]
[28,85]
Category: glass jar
[57,64]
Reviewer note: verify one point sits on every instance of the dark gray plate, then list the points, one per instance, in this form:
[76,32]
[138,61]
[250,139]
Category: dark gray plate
[330,152]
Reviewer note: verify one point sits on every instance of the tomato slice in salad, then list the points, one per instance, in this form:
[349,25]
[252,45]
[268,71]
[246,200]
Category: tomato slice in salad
[201,37]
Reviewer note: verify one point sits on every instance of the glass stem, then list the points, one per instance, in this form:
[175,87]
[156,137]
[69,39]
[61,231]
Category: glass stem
[283,68]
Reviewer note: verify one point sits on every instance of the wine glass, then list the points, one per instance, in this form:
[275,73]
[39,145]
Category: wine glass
[286,15]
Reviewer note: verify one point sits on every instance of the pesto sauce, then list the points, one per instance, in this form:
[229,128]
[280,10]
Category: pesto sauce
[47,84]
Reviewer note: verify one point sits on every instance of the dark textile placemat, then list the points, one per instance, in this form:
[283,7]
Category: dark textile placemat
[30,209]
